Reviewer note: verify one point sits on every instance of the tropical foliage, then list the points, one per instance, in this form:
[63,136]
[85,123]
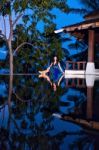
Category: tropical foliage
[20,31]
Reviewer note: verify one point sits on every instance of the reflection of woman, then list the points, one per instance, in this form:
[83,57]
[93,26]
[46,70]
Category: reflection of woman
[54,85]
[43,74]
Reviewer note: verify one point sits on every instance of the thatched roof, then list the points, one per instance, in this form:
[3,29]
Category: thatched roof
[91,22]
[93,14]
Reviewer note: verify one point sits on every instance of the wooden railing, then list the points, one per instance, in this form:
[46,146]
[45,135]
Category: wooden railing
[80,65]
[80,83]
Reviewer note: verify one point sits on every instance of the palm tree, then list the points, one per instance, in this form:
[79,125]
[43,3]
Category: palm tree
[90,5]
[87,7]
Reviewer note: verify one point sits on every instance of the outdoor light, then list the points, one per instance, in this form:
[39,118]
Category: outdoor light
[59,31]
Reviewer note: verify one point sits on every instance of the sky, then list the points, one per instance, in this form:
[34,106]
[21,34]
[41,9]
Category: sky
[61,20]
[3,53]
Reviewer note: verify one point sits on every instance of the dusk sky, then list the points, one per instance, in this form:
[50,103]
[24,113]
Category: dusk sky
[63,19]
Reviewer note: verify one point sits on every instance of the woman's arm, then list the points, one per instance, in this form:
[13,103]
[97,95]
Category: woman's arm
[47,70]
[60,68]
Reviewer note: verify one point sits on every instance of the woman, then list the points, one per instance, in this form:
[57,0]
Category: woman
[54,69]
[54,63]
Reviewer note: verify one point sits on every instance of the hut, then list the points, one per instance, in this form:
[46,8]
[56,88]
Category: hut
[87,30]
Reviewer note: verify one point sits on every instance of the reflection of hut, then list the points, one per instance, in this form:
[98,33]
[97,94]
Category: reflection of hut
[87,30]
[86,114]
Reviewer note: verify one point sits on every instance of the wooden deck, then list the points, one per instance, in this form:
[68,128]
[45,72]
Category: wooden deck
[77,71]
[78,68]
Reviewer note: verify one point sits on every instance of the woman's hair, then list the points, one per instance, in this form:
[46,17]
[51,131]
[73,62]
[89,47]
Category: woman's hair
[52,58]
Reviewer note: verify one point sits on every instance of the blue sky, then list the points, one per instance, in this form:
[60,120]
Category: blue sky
[3,53]
[63,19]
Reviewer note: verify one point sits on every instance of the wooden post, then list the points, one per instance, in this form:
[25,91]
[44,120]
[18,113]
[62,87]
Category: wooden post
[67,82]
[77,82]
[91,43]
[67,65]
[90,68]
[73,65]
[84,65]
[89,102]
[78,65]
[73,83]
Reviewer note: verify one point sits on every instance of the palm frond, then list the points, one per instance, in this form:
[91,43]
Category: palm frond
[74,46]
[78,11]
[66,39]
[93,4]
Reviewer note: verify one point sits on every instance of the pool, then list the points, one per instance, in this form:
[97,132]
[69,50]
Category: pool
[36,114]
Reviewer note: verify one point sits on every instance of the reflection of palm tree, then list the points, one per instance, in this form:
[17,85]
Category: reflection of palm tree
[7,104]
[85,142]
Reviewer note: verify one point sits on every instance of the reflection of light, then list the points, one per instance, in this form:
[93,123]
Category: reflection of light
[57,115]
[90,79]
[74,76]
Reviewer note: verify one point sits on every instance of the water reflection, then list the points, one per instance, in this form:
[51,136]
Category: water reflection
[53,84]
[27,120]
[54,72]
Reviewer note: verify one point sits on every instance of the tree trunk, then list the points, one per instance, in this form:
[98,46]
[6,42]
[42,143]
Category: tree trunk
[10,58]
[9,98]
[11,72]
